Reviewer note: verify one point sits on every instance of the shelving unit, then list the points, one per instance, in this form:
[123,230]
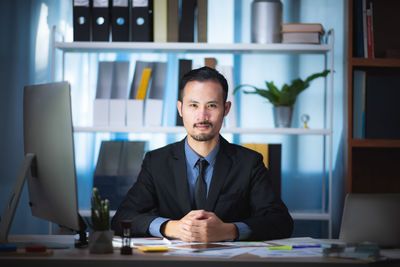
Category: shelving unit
[371,163]
[325,50]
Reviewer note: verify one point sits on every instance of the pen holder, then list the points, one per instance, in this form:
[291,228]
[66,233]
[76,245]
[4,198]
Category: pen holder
[101,242]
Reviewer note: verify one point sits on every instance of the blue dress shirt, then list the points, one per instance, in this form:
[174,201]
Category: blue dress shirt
[192,173]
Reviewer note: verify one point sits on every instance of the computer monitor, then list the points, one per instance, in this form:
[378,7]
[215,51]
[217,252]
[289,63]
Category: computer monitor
[49,164]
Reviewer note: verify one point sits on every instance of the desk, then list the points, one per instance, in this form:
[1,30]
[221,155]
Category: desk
[81,257]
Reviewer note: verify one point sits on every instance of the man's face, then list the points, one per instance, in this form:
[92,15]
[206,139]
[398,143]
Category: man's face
[203,109]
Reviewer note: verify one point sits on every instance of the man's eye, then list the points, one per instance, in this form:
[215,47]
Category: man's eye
[192,105]
[212,106]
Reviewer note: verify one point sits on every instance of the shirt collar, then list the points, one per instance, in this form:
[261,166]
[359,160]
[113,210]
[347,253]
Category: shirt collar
[192,157]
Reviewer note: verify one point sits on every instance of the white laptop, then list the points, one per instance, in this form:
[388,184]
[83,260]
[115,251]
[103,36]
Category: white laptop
[371,218]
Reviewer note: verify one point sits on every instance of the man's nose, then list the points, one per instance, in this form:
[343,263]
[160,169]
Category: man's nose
[203,113]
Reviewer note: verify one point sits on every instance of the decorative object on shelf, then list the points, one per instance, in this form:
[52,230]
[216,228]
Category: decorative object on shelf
[285,98]
[266,20]
[100,238]
[305,118]
[126,248]
[306,33]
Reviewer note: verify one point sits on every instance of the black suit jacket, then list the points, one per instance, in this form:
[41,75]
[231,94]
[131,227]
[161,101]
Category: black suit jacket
[240,191]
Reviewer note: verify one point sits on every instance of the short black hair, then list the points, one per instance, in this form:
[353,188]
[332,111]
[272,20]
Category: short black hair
[204,74]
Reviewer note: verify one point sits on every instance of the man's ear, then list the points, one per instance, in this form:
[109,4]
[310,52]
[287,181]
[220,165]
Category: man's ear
[179,107]
[228,105]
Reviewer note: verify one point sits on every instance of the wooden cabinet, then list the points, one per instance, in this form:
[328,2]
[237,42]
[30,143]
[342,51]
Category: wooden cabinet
[373,164]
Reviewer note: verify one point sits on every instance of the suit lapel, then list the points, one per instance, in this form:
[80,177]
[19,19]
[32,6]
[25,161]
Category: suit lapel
[180,176]
[221,170]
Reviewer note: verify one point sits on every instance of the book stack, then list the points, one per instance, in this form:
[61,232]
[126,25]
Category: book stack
[364,32]
[302,33]
[374,35]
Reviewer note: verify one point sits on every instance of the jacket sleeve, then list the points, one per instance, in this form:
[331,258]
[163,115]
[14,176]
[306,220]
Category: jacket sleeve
[140,203]
[269,218]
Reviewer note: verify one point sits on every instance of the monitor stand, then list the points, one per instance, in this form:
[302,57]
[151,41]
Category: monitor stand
[9,212]
[28,170]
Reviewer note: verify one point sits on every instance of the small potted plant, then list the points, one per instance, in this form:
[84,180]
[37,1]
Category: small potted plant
[100,238]
[283,99]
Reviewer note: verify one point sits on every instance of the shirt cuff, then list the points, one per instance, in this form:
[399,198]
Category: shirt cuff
[243,230]
[155,226]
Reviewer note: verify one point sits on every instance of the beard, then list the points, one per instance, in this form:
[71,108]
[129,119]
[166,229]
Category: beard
[203,137]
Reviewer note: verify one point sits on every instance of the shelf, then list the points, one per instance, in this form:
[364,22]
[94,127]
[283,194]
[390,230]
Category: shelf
[375,143]
[151,47]
[181,130]
[310,215]
[298,215]
[375,62]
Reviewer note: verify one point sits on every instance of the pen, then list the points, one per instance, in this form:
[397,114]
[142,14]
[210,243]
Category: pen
[306,246]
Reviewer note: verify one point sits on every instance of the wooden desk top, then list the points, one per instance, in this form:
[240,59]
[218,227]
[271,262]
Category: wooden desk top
[81,257]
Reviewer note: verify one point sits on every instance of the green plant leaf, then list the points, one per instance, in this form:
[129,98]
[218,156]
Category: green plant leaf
[297,87]
[268,95]
[273,89]
[100,212]
[317,75]
[285,88]
[285,99]
[288,94]
[243,85]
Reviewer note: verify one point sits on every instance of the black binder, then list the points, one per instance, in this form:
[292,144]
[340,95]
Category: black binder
[185,65]
[120,21]
[100,21]
[81,24]
[186,24]
[142,20]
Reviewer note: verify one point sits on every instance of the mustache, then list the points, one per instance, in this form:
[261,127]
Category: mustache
[202,124]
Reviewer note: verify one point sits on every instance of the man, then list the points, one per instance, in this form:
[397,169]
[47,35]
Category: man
[204,189]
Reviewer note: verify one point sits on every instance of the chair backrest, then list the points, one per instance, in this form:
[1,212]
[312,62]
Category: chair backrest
[272,155]
[371,218]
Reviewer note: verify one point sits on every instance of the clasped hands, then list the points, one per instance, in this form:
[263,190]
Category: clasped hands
[200,226]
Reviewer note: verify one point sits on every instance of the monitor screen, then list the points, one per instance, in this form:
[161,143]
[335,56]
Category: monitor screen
[48,135]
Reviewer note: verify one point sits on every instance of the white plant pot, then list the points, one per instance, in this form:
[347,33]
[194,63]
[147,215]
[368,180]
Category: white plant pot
[100,242]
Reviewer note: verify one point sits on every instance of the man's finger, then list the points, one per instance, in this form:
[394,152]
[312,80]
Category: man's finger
[198,214]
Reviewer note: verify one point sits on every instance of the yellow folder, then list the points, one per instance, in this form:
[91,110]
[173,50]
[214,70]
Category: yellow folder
[144,84]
